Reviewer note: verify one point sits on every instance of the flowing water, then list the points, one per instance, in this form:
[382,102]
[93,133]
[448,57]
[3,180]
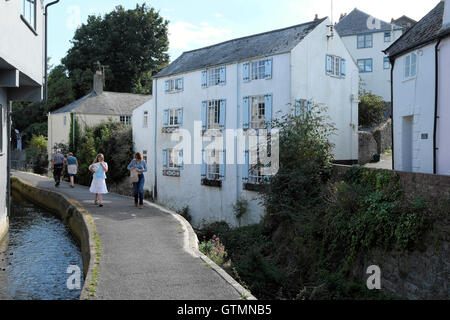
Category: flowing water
[35,256]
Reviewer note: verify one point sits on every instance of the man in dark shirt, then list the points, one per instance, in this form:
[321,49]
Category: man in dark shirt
[58,167]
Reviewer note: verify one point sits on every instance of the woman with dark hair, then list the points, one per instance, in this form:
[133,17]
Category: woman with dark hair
[140,166]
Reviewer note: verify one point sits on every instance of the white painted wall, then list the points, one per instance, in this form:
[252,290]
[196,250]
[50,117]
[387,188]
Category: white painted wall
[414,98]
[19,46]
[143,138]
[378,81]
[310,81]
[297,75]
[3,165]
[443,127]
[23,50]
[446,19]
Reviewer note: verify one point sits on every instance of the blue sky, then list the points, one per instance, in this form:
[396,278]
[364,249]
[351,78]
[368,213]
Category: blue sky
[199,23]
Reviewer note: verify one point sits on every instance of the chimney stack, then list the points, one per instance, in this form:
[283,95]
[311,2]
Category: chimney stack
[316,17]
[98,83]
[446,21]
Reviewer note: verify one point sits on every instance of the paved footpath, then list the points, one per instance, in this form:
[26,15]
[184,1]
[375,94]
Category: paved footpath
[143,255]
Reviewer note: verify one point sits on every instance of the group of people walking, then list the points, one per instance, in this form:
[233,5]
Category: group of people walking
[99,168]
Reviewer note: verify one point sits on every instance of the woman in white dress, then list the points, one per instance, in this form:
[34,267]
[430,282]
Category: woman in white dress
[98,186]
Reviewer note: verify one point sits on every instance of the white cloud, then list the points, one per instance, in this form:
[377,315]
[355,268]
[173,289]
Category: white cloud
[218,15]
[186,36]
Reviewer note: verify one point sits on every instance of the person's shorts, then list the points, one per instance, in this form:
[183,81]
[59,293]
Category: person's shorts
[72,175]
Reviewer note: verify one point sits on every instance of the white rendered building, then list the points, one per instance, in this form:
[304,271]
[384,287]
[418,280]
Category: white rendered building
[237,87]
[421,91]
[22,35]
[366,38]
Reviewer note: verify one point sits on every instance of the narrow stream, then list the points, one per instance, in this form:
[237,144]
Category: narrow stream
[35,256]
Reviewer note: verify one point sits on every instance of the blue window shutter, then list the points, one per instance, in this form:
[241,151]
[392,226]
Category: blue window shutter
[204,115]
[223,114]
[246,167]
[180,159]
[222,166]
[268,68]
[180,84]
[166,118]
[298,107]
[204,79]
[246,71]
[180,116]
[165,159]
[268,107]
[203,169]
[246,113]
[309,105]
[328,64]
[223,75]
[167,84]
[343,68]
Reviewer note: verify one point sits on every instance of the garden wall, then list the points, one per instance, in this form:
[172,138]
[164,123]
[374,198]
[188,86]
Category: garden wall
[425,272]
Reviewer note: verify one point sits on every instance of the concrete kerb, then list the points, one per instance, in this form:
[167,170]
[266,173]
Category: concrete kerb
[191,246]
[72,213]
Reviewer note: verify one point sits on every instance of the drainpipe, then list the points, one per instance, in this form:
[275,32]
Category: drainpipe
[436,105]
[392,111]
[237,138]
[46,51]
[155,94]
[8,170]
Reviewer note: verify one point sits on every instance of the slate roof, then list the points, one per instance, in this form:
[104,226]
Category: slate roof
[255,46]
[356,22]
[404,21]
[107,103]
[425,31]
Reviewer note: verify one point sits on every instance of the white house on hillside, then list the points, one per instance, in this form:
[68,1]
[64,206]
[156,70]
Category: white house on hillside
[366,37]
[21,74]
[421,91]
[97,107]
[240,86]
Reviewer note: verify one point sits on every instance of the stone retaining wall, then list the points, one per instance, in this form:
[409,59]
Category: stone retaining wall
[425,272]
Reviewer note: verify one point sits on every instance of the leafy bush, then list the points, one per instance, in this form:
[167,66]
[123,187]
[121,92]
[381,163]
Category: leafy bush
[37,154]
[240,209]
[371,110]
[111,139]
[185,212]
[305,160]
[214,249]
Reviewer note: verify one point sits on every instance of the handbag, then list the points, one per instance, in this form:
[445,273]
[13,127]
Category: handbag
[134,176]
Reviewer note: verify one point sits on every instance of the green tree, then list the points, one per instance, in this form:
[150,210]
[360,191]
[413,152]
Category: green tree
[75,134]
[371,110]
[133,43]
[31,118]
[86,156]
[305,159]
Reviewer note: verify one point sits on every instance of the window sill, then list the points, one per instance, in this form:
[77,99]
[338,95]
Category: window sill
[212,132]
[254,187]
[28,25]
[409,79]
[212,183]
[171,173]
[170,129]
[173,92]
